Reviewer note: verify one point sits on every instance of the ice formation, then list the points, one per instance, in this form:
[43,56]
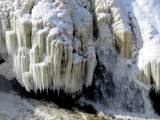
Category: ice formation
[113,27]
[148,61]
[122,31]
[49,42]
[129,27]
[134,32]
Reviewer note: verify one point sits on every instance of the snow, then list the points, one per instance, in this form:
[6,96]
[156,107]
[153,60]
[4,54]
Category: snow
[147,14]
[144,22]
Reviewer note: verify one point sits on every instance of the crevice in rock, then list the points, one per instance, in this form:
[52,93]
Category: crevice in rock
[154,96]
[2,61]
[95,29]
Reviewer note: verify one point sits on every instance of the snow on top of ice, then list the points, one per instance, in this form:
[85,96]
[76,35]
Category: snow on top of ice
[151,8]
[147,13]
[48,29]
[121,15]
[77,58]
[147,20]
[150,52]
[47,11]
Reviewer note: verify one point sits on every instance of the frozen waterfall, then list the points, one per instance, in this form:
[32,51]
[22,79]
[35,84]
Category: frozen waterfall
[49,43]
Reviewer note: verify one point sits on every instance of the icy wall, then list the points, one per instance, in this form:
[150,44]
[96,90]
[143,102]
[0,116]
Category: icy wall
[49,42]
[128,32]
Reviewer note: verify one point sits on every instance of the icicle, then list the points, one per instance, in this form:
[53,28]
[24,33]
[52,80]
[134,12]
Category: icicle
[11,42]
[27,81]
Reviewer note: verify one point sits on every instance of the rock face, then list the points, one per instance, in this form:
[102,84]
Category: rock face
[49,42]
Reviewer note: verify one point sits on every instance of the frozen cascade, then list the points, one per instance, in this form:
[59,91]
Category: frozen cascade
[149,65]
[115,83]
[54,44]
[53,50]
[148,61]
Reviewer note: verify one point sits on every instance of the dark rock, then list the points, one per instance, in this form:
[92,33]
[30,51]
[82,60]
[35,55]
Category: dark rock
[1,61]
[154,96]
[4,84]
[60,98]
[86,108]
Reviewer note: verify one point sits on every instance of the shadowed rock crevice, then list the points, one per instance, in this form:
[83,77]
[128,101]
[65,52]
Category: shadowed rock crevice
[60,98]
[154,96]
[1,61]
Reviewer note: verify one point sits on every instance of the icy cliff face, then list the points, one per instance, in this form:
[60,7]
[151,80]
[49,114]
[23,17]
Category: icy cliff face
[49,42]
[53,44]
[148,20]
[131,30]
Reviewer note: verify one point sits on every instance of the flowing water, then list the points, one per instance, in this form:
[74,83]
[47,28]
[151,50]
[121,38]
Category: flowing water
[12,107]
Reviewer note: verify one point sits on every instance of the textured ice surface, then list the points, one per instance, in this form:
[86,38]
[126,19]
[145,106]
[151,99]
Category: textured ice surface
[49,43]
[147,14]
